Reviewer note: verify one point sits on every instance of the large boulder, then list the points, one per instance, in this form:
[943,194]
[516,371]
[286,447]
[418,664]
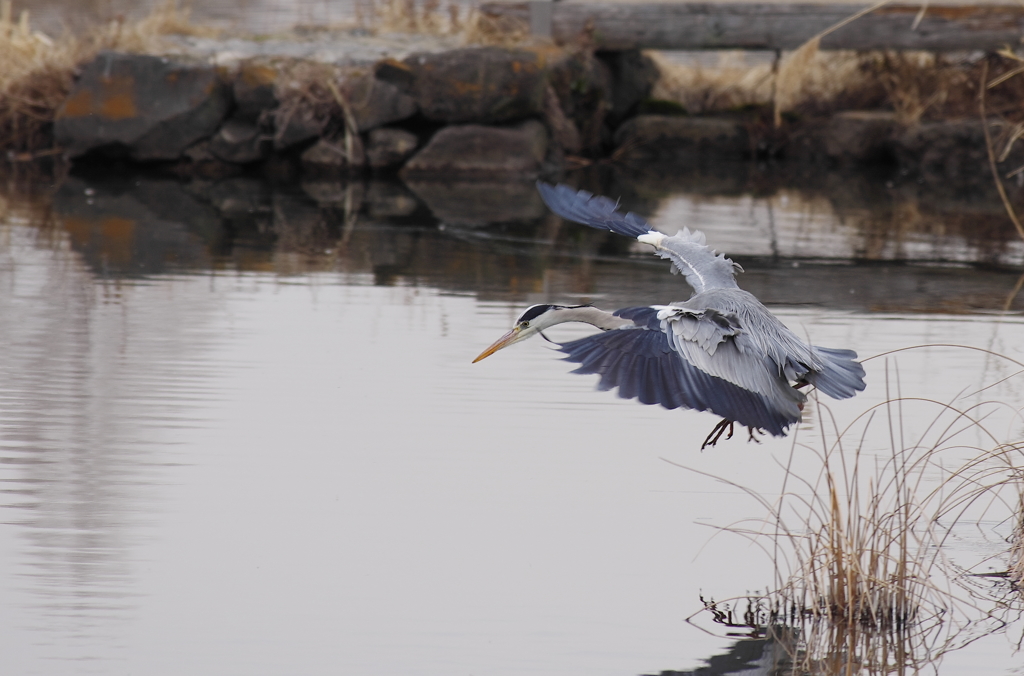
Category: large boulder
[633,76]
[143,107]
[583,85]
[664,138]
[473,151]
[253,90]
[477,84]
[374,102]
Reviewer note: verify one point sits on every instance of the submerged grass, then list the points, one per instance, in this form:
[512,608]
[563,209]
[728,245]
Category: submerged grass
[864,578]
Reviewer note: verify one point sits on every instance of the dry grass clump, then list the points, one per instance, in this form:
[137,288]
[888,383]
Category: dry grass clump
[864,579]
[916,86]
[430,17]
[38,70]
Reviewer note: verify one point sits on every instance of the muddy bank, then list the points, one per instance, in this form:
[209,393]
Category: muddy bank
[335,106]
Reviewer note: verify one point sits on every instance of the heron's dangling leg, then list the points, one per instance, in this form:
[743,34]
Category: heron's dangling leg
[753,438]
[717,433]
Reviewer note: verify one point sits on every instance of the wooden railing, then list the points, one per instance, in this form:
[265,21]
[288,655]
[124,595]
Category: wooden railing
[693,26]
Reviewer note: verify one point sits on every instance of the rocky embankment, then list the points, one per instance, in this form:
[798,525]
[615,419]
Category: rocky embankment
[445,113]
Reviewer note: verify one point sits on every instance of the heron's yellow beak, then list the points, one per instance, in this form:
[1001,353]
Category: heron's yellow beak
[506,340]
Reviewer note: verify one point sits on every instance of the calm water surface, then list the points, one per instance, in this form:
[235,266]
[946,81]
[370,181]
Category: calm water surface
[240,432]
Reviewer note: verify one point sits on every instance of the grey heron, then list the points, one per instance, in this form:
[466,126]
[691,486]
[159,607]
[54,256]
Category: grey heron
[720,351]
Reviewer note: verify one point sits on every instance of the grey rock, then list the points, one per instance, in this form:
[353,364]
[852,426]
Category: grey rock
[295,126]
[583,85]
[375,102]
[240,141]
[564,133]
[253,89]
[474,151]
[633,75]
[647,138]
[478,84]
[145,107]
[388,147]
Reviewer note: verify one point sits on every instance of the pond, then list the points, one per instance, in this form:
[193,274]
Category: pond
[240,431]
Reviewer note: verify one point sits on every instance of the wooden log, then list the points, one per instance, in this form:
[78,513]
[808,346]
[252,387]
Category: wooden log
[695,26]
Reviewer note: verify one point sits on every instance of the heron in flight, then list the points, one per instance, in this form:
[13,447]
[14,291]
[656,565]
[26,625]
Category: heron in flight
[720,351]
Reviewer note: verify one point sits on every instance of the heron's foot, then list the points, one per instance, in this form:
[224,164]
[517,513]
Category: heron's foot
[753,437]
[717,433]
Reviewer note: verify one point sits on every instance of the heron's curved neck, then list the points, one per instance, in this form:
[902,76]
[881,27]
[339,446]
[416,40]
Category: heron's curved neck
[586,314]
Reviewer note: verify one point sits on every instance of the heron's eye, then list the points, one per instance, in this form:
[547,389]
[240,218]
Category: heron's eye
[525,325]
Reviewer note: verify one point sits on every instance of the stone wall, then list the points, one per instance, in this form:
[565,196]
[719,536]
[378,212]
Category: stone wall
[482,113]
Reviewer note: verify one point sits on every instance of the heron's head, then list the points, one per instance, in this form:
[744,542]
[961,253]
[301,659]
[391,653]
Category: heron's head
[534,319]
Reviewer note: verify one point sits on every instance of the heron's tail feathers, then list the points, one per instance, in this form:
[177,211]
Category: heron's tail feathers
[841,376]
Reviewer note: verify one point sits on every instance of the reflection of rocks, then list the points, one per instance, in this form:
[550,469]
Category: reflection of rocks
[346,194]
[859,136]
[479,203]
[137,227]
[334,157]
[389,199]
[473,151]
[300,226]
[235,196]
[145,107]
[950,151]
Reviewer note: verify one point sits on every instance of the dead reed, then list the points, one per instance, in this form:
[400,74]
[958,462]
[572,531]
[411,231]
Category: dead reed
[864,578]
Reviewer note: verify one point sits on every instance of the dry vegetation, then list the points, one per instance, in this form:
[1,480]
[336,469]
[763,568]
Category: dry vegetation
[38,69]
[864,580]
[915,85]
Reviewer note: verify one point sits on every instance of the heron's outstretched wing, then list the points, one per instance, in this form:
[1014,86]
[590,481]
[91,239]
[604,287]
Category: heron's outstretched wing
[688,250]
[642,364]
[593,210]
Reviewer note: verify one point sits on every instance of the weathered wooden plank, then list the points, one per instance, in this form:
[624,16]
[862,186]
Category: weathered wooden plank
[779,26]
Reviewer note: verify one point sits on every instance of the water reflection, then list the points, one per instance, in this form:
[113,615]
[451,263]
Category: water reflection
[498,241]
[87,381]
[240,413]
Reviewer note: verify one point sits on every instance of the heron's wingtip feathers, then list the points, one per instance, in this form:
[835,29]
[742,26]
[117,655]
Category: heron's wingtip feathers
[589,209]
